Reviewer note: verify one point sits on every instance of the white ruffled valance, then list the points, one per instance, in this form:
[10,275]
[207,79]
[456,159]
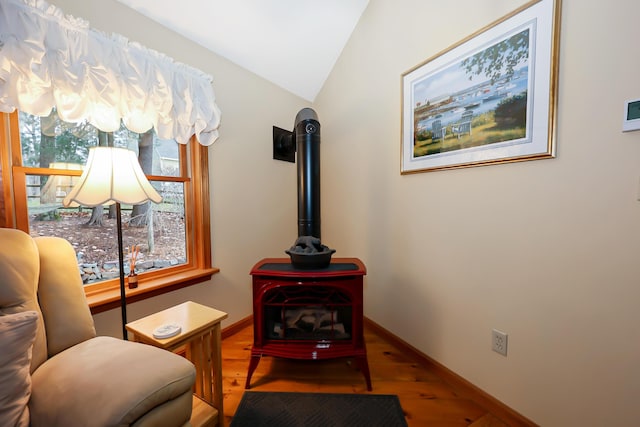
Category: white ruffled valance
[49,59]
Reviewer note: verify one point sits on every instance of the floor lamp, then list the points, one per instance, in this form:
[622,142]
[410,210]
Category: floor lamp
[113,175]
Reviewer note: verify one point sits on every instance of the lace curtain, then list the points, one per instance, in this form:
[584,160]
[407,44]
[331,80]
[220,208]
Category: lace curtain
[49,59]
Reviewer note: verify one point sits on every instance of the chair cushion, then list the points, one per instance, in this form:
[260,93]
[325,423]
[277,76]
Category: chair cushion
[67,317]
[105,381]
[17,333]
[19,271]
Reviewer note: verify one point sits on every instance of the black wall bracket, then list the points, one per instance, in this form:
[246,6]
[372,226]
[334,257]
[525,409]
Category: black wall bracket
[284,147]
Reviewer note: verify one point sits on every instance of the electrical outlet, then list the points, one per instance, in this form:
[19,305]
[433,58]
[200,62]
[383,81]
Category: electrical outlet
[499,342]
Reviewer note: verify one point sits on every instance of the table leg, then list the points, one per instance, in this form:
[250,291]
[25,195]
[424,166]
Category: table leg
[216,352]
[204,352]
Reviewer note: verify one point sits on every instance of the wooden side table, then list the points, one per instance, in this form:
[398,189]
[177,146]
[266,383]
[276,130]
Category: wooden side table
[201,338]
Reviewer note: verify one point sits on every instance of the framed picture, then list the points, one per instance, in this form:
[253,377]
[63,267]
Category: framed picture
[490,98]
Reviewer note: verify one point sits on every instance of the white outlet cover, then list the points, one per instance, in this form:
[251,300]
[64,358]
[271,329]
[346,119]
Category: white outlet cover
[499,341]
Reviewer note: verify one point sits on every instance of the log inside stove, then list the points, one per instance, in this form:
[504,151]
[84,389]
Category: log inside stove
[311,322]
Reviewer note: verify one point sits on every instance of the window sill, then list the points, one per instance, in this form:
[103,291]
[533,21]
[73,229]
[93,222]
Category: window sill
[109,298]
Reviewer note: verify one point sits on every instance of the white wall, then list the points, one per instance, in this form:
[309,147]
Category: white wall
[253,196]
[546,251]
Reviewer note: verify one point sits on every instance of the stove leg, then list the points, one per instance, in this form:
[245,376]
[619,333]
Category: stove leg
[363,364]
[253,364]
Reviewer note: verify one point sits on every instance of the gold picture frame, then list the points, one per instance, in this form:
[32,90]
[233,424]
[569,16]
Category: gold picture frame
[490,98]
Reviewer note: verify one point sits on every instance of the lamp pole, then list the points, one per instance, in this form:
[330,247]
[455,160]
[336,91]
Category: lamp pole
[123,294]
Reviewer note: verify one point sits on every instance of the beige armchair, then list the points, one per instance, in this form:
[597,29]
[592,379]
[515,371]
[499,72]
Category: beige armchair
[54,371]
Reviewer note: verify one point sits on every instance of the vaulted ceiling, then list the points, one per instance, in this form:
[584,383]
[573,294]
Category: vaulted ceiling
[292,43]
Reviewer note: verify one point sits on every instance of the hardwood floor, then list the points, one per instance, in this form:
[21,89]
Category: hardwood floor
[426,398]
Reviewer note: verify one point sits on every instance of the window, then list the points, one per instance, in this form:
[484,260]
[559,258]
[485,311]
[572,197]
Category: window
[40,160]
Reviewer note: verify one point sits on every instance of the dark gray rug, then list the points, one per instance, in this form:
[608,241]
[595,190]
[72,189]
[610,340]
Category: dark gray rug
[288,409]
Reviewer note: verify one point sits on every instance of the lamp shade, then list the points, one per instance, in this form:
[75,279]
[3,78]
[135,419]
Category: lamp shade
[111,175]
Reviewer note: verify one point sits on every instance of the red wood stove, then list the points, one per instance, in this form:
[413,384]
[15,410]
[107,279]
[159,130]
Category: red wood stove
[308,313]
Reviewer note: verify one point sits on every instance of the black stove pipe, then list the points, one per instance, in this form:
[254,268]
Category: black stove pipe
[307,136]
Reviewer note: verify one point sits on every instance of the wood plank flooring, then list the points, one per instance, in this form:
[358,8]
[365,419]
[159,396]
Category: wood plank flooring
[426,399]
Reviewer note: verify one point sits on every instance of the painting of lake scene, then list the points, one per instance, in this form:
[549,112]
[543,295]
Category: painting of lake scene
[474,103]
